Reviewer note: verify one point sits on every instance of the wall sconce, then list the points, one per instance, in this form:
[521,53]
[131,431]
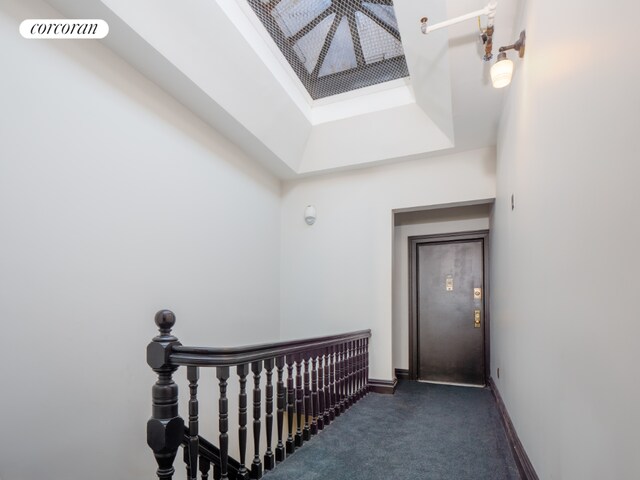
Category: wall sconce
[310,214]
[502,70]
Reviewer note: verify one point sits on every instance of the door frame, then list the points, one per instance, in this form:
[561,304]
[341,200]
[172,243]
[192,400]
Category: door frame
[414,243]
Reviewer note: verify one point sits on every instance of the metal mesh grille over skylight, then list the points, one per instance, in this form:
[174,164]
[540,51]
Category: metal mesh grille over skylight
[336,46]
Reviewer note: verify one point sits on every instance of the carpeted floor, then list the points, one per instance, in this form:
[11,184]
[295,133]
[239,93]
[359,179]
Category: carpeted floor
[424,431]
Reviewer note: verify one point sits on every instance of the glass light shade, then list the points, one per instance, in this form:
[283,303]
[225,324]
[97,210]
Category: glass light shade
[501,73]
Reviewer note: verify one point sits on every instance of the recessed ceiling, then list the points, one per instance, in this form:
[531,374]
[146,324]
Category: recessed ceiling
[219,61]
[335,46]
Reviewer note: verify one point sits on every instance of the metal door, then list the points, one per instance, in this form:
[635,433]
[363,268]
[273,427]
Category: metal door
[450,295]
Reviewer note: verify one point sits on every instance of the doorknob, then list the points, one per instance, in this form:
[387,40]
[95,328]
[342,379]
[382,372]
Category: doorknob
[476,318]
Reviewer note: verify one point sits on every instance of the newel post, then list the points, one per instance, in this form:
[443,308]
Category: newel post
[165,428]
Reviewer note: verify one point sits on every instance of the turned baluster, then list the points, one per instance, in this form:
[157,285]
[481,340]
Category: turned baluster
[290,445]
[223,421]
[331,363]
[269,459]
[354,374]
[299,401]
[336,383]
[356,366]
[343,377]
[192,375]
[306,432]
[256,465]
[204,468]
[360,363]
[363,380]
[347,373]
[314,393]
[347,376]
[364,366]
[320,405]
[165,428]
[352,364]
[327,386]
[187,462]
[243,371]
[280,451]
[354,382]
[360,366]
[366,373]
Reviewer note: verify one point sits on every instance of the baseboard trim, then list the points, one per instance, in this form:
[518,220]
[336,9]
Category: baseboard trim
[402,374]
[383,386]
[527,472]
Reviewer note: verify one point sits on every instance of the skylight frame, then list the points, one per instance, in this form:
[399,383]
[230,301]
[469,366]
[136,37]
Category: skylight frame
[361,76]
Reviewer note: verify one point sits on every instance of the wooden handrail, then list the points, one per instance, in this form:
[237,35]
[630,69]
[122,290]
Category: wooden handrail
[230,356]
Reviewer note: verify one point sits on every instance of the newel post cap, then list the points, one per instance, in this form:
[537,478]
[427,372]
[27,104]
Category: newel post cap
[165,320]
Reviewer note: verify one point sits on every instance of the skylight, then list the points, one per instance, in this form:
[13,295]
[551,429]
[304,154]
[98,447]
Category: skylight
[335,46]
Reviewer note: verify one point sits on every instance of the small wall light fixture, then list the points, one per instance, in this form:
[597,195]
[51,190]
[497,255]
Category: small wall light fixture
[310,214]
[502,70]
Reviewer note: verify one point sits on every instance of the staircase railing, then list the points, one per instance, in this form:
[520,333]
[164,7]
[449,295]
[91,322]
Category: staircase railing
[331,374]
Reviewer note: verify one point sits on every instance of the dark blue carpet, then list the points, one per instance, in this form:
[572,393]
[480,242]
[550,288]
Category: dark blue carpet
[424,431]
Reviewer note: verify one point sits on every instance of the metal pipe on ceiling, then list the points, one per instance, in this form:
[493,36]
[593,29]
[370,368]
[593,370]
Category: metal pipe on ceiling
[489,11]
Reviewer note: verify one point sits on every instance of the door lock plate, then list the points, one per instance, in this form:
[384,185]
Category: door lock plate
[476,318]
[477,293]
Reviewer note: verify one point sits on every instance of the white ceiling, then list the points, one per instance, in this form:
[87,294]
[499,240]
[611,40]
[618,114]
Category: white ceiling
[215,58]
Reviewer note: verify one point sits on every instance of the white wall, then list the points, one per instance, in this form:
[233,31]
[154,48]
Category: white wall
[337,274]
[423,222]
[115,201]
[565,262]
